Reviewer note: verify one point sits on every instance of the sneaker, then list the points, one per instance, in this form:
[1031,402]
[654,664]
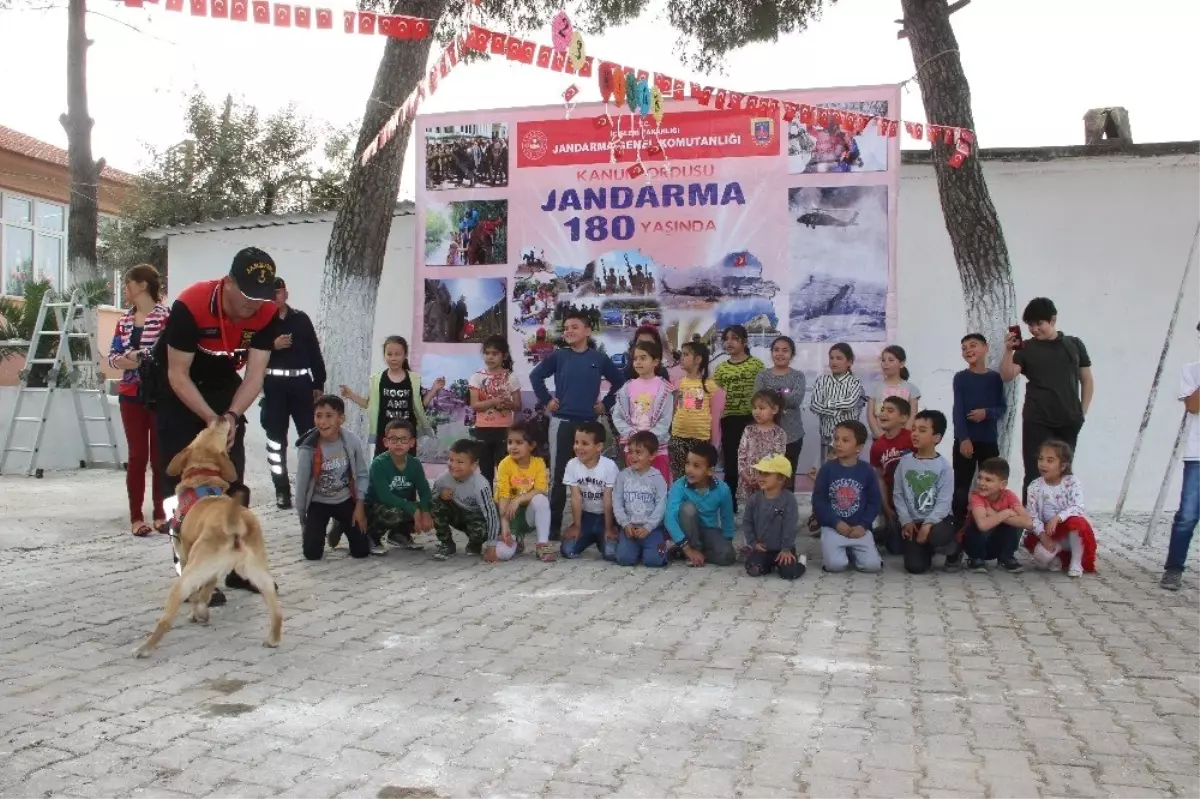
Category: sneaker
[402,540]
[217,599]
[445,550]
[1074,571]
[978,566]
[283,500]
[1172,580]
[545,553]
[377,548]
[474,548]
[1012,566]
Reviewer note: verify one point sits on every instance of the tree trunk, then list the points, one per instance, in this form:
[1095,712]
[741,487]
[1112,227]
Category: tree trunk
[84,218]
[358,242]
[971,220]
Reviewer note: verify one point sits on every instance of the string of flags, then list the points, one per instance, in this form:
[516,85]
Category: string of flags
[643,92]
[288,15]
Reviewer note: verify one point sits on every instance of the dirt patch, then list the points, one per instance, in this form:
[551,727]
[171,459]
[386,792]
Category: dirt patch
[229,709]
[404,792]
[226,687]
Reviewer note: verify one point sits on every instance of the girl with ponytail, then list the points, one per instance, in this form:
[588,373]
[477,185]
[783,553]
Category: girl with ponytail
[495,396]
[894,384]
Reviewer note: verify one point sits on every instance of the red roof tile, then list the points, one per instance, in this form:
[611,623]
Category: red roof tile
[16,142]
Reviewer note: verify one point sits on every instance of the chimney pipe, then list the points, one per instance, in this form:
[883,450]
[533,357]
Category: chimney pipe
[1107,124]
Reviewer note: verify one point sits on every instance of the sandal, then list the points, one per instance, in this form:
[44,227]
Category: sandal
[142,530]
[545,553]
[160,526]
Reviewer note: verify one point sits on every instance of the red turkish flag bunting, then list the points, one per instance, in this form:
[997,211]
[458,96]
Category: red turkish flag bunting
[174,5]
[956,160]
[366,22]
[949,133]
[433,79]
[395,26]
[769,105]
[789,111]
[528,52]
[462,46]
[734,101]
[643,75]
[677,89]
[702,95]
[452,53]
[133,3]
[444,63]
[823,117]
[806,114]
[237,10]
[349,21]
[636,171]
[751,102]
[199,8]
[420,28]
[913,129]
[303,17]
[719,101]
[324,19]
[219,9]
[543,56]
[262,12]
[498,42]
[558,61]
[478,38]
[935,133]
[283,15]
[512,48]
[663,82]
[585,70]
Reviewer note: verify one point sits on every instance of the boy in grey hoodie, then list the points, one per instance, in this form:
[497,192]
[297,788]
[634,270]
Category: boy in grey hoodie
[923,494]
[332,478]
[639,504]
[462,498]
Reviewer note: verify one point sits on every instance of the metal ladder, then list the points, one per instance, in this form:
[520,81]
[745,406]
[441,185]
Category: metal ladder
[74,322]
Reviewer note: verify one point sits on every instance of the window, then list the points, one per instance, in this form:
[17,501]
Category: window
[33,242]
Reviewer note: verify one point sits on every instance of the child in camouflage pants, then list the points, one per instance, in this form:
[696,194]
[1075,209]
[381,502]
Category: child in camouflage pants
[462,499]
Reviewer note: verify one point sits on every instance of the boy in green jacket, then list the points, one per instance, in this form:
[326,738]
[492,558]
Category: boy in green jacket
[398,500]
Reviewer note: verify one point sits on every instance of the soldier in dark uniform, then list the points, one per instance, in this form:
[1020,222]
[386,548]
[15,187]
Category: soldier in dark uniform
[295,379]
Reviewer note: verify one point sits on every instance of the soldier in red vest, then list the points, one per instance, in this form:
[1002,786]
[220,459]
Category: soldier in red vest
[216,329]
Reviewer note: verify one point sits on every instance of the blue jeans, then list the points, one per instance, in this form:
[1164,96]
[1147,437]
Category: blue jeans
[651,550]
[591,531]
[1186,517]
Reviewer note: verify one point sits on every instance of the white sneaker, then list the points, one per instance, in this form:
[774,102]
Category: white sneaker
[1075,571]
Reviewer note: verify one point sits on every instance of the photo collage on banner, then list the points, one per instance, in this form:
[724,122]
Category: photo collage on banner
[783,227]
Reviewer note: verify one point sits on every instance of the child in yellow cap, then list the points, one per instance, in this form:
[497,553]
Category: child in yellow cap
[770,521]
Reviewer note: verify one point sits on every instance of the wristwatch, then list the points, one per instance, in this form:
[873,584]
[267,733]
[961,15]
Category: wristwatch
[233,418]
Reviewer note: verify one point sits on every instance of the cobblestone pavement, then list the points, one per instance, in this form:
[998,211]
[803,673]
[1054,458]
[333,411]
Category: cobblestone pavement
[403,677]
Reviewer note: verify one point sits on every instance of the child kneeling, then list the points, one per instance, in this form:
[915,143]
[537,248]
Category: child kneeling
[398,499]
[462,499]
[521,490]
[700,511]
[923,497]
[1060,530]
[332,477]
[995,519]
[591,478]
[846,500]
[770,520]
[639,504]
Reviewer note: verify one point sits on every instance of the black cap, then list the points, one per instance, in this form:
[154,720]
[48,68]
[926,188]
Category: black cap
[254,272]
[279,284]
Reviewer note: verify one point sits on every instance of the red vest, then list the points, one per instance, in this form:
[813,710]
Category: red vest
[220,336]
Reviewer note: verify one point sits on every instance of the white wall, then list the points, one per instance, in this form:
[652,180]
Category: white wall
[299,253]
[1106,238]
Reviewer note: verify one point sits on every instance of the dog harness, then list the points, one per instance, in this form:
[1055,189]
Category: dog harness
[191,496]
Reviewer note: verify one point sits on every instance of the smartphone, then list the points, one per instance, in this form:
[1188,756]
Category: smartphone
[1015,330]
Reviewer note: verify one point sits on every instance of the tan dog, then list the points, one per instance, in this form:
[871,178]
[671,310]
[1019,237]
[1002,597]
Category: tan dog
[218,535]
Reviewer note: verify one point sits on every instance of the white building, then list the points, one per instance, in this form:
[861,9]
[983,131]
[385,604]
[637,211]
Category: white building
[1104,230]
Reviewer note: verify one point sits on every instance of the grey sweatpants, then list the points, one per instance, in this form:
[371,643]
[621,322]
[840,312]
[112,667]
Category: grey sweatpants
[837,550]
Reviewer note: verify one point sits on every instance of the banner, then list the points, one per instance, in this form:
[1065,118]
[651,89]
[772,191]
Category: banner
[711,219]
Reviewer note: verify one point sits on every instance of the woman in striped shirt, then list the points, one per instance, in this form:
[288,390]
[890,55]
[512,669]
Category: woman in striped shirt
[137,331]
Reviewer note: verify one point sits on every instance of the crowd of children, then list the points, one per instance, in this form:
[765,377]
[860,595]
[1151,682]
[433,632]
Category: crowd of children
[664,500]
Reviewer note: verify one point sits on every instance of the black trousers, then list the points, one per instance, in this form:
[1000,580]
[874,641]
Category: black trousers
[493,446]
[562,449]
[285,400]
[732,428]
[964,473]
[1033,435]
[759,564]
[792,453]
[176,427]
[316,523]
[1000,543]
[918,558]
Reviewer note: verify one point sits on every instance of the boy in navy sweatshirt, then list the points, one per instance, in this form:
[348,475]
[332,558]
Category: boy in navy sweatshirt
[846,500]
[979,405]
[577,370]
